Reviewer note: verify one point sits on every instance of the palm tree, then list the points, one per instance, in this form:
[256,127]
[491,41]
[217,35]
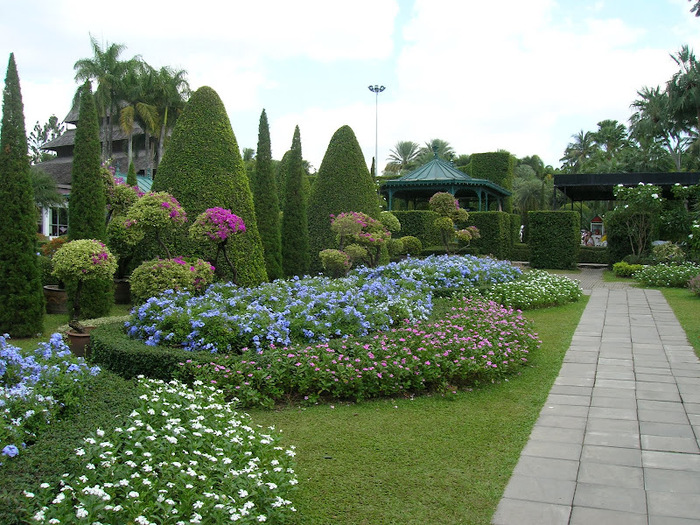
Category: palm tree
[403,157]
[684,90]
[441,147]
[134,107]
[652,124]
[108,71]
[578,152]
[46,193]
[171,93]
[611,137]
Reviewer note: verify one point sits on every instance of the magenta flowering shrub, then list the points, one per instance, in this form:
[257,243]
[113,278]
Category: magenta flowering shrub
[82,260]
[217,225]
[359,229]
[477,340]
[156,276]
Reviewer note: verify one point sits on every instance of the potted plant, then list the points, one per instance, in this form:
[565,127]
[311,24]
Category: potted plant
[76,262]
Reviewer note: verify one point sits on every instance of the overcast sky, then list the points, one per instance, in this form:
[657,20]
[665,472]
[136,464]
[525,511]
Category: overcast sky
[484,75]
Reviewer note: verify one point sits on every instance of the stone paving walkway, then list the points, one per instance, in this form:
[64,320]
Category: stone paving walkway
[617,440]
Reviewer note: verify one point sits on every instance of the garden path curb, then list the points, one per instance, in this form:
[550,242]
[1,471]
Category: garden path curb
[617,441]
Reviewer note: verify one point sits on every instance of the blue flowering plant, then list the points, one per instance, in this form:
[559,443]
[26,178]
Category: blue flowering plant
[36,388]
[184,455]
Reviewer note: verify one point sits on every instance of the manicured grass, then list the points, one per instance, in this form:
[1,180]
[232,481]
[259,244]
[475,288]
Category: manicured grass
[437,459]
[686,307]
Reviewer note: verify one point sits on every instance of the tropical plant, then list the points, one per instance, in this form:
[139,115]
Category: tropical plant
[684,89]
[578,152]
[133,96]
[436,147]
[21,294]
[295,226]
[403,157]
[46,192]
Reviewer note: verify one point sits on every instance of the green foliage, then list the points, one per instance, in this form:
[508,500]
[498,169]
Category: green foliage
[668,253]
[554,239]
[635,219]
[21,294]
[520,252]
[83,260]
[497,167]
[668,275]
[395,247]
[87,202]
[114,350]
[266,199]
[336,263]
[390,222]
[591,254]
[131,179]
[694,285]
[344,184]
[355,228]
[495,233]
[419,224]
[449,214]
[202,168]
[411,245]
[154,277]
[296,256]
[625,269]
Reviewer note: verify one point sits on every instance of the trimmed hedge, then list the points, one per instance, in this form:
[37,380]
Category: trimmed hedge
[555,239]
[520,252]
[202,168]
[497,167]
[419,224]
[496,237]
[589,254]
[114,350]
[344,184]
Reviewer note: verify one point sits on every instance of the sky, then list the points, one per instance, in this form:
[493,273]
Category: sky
[521,76]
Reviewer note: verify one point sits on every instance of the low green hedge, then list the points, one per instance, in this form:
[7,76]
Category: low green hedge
[520,252]
[589,254]
[114,350]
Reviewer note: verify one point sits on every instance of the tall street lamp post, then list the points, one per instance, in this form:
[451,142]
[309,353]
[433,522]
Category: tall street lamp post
[376,89]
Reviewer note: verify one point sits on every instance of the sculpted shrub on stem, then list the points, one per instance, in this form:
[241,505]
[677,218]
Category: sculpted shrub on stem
[218,225]
[362,230]
[80,261]
[159,212]
[154,277]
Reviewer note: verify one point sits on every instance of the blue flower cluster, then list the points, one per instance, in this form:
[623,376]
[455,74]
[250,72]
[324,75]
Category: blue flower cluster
[34,387]
[310,309]
[447,272]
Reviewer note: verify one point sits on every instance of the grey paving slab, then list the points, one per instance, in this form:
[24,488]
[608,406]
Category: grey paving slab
[617,441]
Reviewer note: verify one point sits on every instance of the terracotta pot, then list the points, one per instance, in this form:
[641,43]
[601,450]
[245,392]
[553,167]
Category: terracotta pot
[79,343]
[56,299]
[122,291]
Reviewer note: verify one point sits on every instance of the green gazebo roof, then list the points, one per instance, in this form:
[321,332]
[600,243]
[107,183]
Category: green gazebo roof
[441,176]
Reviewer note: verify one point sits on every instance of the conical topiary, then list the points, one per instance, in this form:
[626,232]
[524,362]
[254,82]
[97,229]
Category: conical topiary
[21,294]
[343,184]
[295,232]
[202,168]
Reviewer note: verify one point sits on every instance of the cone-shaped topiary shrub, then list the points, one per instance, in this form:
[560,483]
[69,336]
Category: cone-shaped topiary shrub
[295,232]
[344,184]
[21,294]
[202,168]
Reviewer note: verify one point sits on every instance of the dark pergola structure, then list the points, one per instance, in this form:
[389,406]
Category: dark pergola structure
[599,186]
[440,176]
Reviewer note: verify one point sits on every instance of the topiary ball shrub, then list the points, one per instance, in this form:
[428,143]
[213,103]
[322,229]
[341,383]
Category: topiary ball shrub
[625,269]
[412,245]
[395,247]
[336,263]
[156,276]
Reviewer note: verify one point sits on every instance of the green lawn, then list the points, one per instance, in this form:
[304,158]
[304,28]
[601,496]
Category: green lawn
[686,306]
[424,460]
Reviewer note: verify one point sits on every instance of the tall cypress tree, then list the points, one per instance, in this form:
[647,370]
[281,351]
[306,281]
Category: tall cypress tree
[87,201]
[87,204]
[295,227]
[202,168]
[267,208]
[343,184]
[21,294]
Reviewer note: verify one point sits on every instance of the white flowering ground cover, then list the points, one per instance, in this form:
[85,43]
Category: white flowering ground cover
[184,456]
[535,289]
[667,275]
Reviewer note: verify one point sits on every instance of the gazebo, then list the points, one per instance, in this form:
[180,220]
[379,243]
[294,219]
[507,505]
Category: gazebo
[441,176]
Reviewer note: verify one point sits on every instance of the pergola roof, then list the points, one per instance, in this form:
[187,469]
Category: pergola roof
[599,186]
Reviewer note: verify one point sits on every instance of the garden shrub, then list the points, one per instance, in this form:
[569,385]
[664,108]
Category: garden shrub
[668,253]
[158,275]
[694,285]
[395,247]
[594,255]
[344,184]
[520,252]
[625,269]
[497,167]
[419,224]
[535,289]
[336,263]
[240,472]
[495,233]
[208,177]
[554,239]
[668,275]
[411,245]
